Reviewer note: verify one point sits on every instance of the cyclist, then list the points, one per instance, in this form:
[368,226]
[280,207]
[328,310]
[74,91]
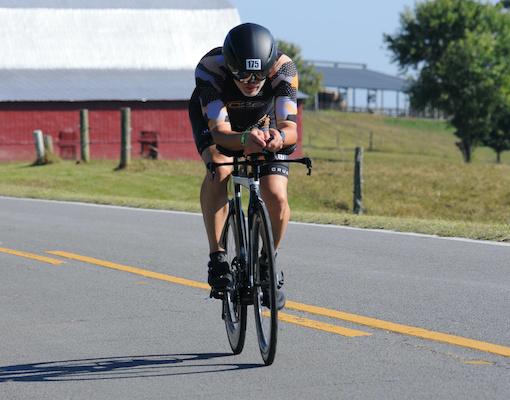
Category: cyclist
[245,98]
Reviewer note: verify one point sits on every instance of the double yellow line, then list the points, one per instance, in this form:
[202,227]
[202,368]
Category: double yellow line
[156,275]
[32,256]
[357,319]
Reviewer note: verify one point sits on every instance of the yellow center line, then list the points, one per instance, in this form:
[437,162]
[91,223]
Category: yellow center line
[403,329]
[32,256]
[138,271]
[478,362]
[156,275]
[358,319]
[310,323]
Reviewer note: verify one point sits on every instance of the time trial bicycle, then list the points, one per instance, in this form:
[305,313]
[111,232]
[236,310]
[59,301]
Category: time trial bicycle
[251,255]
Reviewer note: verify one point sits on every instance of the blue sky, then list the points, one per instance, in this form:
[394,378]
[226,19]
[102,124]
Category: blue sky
[334,30]
[331,30]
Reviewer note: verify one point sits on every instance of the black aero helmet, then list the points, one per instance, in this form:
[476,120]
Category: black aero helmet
[250,52]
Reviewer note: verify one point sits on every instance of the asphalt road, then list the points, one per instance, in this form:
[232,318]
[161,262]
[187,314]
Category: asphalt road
[91,307]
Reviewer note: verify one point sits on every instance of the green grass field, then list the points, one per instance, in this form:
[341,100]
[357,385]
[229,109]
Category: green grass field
[414,179]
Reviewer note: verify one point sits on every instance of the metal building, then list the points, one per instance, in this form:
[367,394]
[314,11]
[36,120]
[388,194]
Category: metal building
[377,92]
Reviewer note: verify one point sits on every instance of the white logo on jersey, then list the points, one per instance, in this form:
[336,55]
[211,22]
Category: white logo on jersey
[253,64]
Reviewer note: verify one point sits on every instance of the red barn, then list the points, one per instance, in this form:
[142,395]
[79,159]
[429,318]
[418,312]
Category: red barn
[60,56]
[165,117]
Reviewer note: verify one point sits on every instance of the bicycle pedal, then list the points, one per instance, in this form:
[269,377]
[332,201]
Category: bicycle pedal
[215,294]
[247,298]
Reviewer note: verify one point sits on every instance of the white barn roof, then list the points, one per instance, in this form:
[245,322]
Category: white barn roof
[96,85]
[90,41]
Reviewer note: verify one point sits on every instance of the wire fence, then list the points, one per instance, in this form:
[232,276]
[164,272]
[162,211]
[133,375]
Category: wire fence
[373,190]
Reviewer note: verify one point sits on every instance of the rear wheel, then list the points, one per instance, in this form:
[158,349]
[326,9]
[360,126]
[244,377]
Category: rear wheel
[233,310]
[264,291]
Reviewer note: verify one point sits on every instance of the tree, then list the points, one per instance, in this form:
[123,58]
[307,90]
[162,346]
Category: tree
[474,88]
[310,81]
[460,50]
[499,138]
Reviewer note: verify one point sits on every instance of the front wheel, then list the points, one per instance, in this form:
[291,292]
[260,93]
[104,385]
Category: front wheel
[264,277]
[234,310]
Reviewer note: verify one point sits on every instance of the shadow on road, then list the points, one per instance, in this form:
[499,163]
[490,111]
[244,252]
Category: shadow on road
[120,368]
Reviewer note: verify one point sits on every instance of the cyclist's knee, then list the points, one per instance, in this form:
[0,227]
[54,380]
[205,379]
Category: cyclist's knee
[221,176]
[274,190]
[276,200]
[222,173]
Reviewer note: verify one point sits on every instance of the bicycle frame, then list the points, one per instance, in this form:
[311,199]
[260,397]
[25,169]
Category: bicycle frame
[250,286]
[252,183]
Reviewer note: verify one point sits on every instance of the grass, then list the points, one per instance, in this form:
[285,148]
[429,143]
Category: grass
[414,179]
[146,184]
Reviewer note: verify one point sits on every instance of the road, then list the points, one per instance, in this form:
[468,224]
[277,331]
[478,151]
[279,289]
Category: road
[111,303]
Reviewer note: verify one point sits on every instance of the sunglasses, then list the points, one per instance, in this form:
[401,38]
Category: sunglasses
[248,77]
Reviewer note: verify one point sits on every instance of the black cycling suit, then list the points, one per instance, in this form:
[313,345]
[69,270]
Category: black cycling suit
[216,99]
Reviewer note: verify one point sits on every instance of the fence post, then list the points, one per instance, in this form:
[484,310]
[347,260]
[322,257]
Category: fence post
[48,144]
[358,181]
[125,141]
[39,145]
[84,135]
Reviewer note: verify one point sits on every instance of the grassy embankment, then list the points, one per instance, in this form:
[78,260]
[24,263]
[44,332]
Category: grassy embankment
[414,179]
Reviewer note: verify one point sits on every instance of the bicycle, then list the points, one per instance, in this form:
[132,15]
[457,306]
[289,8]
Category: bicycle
[244,249]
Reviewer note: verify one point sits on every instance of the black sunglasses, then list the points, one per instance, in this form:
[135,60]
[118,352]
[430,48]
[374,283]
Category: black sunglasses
[248,77]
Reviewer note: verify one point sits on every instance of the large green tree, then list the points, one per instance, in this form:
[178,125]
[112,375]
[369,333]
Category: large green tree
[310,81]
[459,50]
[475,88]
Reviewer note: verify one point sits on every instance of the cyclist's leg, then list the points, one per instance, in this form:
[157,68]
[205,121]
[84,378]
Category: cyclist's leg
[273,189]
[214,197]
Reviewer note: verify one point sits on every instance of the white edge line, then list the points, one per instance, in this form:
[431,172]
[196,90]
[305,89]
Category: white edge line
[384,231]
[80,203]
[387,231]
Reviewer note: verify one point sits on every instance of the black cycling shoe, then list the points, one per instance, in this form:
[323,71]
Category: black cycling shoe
[280,299]
[264,274]
[219,271]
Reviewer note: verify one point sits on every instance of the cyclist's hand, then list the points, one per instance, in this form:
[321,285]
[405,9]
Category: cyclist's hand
[256,141]
[275,142]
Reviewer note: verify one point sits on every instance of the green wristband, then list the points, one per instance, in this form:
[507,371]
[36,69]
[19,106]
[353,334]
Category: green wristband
[243,138]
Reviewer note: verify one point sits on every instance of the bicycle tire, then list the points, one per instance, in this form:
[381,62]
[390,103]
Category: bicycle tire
[234,311]
[262,241]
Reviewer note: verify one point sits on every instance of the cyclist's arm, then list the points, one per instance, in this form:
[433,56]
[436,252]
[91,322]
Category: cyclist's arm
[254,141]
[285,83]
[215,112]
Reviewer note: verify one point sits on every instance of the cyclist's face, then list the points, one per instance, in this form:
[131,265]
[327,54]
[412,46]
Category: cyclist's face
[250,89]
